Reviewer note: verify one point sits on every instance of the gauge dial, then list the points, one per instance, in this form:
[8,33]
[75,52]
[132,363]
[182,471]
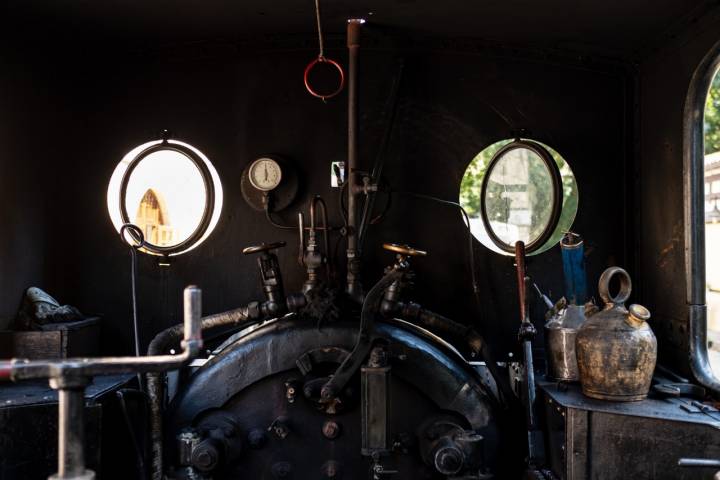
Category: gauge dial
[265,174]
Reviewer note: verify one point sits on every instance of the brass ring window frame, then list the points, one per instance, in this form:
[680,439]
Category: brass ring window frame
[204,224]
[557,196]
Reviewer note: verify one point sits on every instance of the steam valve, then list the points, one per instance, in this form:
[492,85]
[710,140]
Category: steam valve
[391,304]
[271,277]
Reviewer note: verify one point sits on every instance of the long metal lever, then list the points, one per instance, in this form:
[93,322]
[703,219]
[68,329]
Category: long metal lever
[526,334]
[71,376]
[698,462]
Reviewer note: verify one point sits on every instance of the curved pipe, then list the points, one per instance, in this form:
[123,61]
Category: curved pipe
[162,342]
[414,313]
[693,175]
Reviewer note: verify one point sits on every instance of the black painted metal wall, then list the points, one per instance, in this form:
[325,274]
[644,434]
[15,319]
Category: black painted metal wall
[235,106]
[26,113]
[658,183]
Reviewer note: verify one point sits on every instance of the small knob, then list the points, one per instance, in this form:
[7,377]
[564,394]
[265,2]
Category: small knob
[404,250]
[263,247]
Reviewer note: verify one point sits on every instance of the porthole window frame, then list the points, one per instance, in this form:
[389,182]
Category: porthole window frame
[556,178]
[211,183]
[694,203]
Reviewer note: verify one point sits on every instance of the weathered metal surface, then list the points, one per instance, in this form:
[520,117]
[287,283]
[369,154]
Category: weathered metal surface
[569,313]
[276,346]
[249,377]
[560,333]
[59,340]
[29,422]
[595,439]
[375,404]
[616,349]
[71,376]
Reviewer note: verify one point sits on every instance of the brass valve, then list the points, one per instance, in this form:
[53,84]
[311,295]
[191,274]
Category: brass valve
[405,250]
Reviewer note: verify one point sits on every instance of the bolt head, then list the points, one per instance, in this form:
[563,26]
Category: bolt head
[256,438]
[331,430]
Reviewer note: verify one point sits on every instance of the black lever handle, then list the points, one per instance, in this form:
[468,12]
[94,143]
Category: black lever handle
[263,247]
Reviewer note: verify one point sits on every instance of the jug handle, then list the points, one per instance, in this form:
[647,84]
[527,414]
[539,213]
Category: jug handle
[625,286]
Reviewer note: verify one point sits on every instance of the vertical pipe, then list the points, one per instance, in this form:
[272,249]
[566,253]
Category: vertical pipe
[71,457]
[192,304]
[353,270]
[71,428]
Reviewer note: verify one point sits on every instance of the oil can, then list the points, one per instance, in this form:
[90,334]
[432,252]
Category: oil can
[568,314]
[616,348]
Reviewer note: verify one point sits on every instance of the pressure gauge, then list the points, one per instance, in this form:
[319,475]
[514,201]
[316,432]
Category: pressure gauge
[265,174]
[269,183]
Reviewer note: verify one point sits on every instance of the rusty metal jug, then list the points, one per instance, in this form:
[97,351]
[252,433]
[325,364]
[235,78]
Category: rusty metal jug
[616,349]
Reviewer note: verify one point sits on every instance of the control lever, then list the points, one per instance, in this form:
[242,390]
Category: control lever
[701,463]
[70,377]
[370,307]
[391,299]
[526,334]
[404,251]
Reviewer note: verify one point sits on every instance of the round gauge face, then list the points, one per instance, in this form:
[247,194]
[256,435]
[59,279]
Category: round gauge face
[265,174]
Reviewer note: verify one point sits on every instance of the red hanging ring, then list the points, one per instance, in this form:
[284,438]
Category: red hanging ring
[311,65]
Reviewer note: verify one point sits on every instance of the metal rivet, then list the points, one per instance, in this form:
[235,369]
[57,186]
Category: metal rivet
[331,430]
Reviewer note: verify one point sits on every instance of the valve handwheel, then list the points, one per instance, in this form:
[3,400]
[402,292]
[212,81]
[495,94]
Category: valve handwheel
[263,247]
[404,250]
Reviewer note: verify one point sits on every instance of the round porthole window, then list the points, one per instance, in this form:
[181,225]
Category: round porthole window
[519,190]
[170,191]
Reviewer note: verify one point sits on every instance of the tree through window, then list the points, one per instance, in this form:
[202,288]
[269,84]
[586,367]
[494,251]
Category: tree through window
[711,131]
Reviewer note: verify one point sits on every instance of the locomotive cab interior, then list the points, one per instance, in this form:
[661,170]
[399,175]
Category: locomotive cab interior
[365,239]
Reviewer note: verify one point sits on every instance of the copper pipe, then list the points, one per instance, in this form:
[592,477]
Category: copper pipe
[353,267]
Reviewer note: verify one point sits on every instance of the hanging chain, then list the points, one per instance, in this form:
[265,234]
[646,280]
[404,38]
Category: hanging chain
[319,29]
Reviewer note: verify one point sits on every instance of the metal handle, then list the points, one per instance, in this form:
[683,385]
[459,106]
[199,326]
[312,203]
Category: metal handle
[263,247]
[698,462]
[404,250]
[70,376]
[520,269]
[625,286]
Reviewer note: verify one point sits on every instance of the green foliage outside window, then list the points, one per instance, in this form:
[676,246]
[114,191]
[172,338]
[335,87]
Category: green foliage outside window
[471,185]
[712,117]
